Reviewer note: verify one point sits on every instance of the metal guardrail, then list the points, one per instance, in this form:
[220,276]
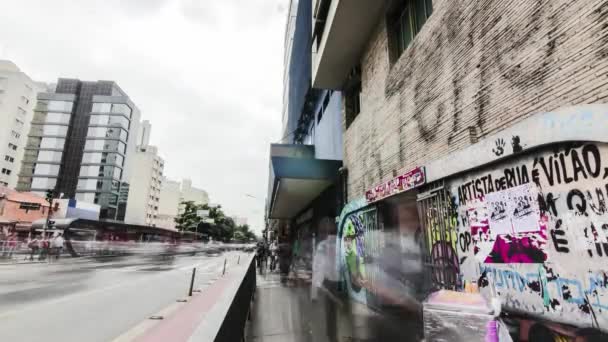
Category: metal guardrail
[233,326]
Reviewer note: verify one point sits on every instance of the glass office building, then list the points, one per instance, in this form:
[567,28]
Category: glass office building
[79,143]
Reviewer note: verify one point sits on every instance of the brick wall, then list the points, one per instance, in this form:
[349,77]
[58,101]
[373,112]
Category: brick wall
[475,68]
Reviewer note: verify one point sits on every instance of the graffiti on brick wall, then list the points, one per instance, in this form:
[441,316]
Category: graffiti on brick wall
[357,243]
[542,290]
[509,66]
[536,229]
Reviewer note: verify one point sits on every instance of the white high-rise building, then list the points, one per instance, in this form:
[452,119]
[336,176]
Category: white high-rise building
[17,101]
[146,182]
[190,193]
[172,195]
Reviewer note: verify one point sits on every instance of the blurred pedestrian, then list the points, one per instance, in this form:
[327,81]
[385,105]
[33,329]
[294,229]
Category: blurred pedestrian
[325,283]
[57,245]
[11,243]
[3,238]
[44,247]
[34,246]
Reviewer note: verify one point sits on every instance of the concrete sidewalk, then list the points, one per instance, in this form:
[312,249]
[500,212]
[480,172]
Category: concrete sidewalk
[281,311]
[286,311]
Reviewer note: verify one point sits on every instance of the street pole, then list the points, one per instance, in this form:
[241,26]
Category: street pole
[49,199]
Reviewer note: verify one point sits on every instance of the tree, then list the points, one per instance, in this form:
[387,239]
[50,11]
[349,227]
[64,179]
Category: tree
[243,233]
[188,220]
[222,227]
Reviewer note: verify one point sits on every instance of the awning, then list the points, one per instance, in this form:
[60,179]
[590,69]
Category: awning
[297,178]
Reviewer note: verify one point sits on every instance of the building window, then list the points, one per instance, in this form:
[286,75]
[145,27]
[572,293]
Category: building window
[15,134]
[12,146]
[9,158]
[6,171]
[326,100]
[4,183]
[352,96]
[404,22]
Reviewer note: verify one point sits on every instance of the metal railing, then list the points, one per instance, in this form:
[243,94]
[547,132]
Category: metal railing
[233,326]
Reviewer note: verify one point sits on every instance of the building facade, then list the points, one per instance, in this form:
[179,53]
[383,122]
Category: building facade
[172,194]
[304,181]
[145,185]
[190,193]
[477,129]
[20,209]
[17,101]
[80,143]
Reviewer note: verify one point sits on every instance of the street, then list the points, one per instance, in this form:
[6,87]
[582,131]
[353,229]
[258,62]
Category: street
[86,300]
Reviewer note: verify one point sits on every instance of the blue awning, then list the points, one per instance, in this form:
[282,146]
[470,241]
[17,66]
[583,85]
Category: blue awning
[297,178]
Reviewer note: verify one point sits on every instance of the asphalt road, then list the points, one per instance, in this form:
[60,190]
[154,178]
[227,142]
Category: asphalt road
[84,300]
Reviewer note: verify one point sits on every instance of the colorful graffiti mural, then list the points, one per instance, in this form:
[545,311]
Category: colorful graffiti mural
[357,243]
[535,230]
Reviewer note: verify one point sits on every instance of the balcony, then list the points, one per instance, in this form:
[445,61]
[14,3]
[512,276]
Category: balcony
[341,29]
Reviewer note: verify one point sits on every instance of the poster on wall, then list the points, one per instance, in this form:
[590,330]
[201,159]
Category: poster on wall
[506,226]
[499,219]
[523,208]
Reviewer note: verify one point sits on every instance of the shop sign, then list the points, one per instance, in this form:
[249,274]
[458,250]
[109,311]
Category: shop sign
[407,181]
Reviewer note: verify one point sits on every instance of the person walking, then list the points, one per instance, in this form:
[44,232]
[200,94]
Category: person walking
[44,247]
[57,245]
[12,244]
[34,245]
[3,242]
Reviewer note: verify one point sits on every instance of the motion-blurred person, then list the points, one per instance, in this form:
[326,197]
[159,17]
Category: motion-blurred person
[57,245]
[3,241]
[260,255]
[44,245]
[396,288]
[34,245]
[325,282]
[11,244]
[274,250]
[284,253]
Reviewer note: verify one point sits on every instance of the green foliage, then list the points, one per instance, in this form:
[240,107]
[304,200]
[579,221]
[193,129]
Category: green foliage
[223,228]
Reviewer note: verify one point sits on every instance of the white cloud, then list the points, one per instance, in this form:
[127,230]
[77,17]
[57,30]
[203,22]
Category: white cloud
[207,74]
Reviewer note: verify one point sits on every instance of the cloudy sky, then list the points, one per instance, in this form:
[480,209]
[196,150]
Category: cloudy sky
[206,73]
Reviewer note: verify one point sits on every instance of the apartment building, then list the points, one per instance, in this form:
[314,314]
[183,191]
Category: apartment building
[172,195]
[17,101]
[145,185]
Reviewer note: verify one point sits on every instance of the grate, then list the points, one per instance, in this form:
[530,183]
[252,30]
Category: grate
[438,219]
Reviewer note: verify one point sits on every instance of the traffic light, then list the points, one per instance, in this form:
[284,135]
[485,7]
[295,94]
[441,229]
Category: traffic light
[49,195]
